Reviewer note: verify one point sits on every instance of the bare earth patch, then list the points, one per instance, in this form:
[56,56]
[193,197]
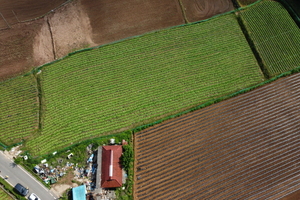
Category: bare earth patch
[71,30]
[42,46]
[63,184]
[16,49]
[59,189]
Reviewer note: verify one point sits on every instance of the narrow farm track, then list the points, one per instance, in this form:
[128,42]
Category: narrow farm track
[246,147]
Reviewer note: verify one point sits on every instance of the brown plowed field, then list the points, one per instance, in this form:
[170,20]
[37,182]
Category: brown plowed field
[246,147]
[197,10]
[113,20]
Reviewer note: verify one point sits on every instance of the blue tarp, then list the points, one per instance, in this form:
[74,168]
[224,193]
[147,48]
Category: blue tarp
[79,193]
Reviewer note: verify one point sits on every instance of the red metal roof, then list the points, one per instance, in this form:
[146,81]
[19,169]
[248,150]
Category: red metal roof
[111,176]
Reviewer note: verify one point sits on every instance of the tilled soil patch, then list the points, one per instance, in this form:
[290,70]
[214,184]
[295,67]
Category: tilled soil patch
[246,147]
[16,48]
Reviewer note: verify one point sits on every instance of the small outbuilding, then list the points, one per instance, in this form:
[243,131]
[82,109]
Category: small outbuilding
[111,175]
[79,193]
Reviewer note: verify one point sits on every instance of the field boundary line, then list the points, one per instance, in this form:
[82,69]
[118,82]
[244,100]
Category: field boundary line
[5,20]
[250,42]
[15,15]
[183,11]
[52,40]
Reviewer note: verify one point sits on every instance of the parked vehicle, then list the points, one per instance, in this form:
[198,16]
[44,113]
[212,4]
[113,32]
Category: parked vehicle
[33,197]
[21,189]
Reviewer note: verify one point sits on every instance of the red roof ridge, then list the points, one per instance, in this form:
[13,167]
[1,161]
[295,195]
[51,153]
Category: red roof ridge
[111,175]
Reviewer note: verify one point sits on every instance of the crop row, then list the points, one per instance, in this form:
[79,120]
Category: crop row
[275,35]
[141,79]
[236,149]
[18,109]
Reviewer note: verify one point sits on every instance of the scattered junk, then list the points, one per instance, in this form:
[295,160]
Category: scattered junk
[89,148]
[90,159]
[49,174]
[25,157]
[43,161]
[40,71]
[70,155]
[37,169]
[124,142]
[54,153]
[112,141]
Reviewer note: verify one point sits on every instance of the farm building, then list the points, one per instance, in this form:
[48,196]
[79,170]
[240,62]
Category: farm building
[111,173]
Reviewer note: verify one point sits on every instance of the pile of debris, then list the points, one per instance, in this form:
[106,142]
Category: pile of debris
[51,174]
[87,176]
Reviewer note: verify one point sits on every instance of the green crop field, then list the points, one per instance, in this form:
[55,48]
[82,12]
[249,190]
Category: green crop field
[18,109]
[4,195]
[275,36]
[136,81]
